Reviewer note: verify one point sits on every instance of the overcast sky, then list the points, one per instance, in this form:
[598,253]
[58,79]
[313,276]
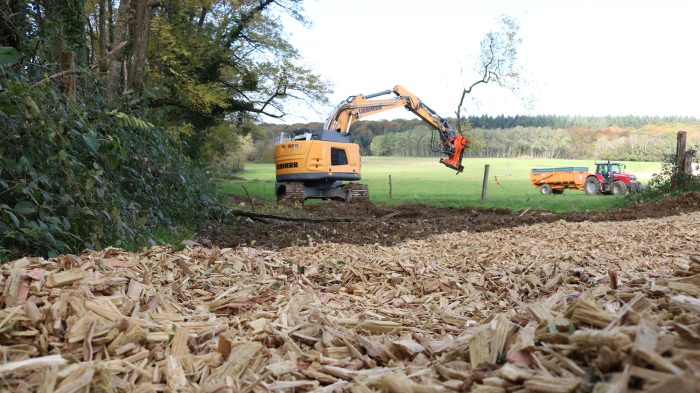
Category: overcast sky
[590,57]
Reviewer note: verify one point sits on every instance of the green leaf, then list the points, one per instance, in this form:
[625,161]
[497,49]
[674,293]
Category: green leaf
[33,111]
[91,141]
[25,207]
[9,55]
[12,217]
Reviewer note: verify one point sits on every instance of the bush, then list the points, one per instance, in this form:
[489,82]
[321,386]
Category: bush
[76,176]
[662,183]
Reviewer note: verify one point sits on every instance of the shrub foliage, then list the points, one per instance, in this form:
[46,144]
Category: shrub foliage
[74,175]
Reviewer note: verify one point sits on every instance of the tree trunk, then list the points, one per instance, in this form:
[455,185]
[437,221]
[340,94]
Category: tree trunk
[91,33]
[118,37]
[103,35]
[110,8]
[139,34]
[39,17]
[68,81]
[202,17]
[56,41]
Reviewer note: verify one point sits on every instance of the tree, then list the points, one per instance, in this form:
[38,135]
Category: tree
[498,60]
[151,80]
[221,61]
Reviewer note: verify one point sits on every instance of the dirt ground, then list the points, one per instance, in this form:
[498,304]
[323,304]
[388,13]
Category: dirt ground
[389,225]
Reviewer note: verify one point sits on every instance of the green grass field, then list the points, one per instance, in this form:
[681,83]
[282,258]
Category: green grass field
[424,180]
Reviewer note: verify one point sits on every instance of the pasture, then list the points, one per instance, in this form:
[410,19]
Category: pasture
[425,181]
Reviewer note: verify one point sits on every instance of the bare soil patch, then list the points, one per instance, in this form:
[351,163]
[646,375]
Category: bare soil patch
[390,225]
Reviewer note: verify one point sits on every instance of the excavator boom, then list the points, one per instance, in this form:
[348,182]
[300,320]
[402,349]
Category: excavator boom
[452,144]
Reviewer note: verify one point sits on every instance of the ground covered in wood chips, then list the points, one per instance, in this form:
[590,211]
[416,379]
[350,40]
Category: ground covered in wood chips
[551,307]
[391,225]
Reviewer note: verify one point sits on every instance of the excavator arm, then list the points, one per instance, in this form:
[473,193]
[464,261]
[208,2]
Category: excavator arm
[452,144]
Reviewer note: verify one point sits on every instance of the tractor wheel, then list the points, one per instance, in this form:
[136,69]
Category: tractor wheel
[545,189]
[558,191]
[618,188]
[592,186]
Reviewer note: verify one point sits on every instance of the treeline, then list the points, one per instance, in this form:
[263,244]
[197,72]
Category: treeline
[586,122]
[540,142]
[649,141]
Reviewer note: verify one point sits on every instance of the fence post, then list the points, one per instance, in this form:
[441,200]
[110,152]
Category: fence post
[680,148]
[485,185]
[390,190]
[679,175]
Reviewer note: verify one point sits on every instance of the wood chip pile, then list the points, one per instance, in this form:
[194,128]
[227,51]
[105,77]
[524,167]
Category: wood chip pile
[560,307]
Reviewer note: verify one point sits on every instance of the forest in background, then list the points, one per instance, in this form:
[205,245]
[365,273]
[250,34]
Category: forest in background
[628,138]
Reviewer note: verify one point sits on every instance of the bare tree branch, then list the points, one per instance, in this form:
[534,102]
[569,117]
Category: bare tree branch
[81,70]
[245,20]
[497,61]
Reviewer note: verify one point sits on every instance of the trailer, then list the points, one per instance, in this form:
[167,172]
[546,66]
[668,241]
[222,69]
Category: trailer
[556,180]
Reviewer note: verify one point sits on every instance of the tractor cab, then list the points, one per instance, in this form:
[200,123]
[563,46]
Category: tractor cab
[609,170]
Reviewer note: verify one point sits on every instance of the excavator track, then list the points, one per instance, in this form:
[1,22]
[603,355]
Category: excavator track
[359,193]
[293,193]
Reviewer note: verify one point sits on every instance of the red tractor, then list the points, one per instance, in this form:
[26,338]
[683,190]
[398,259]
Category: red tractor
[609,178]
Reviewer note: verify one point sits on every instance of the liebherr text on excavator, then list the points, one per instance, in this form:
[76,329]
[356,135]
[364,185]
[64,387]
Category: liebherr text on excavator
[316,163]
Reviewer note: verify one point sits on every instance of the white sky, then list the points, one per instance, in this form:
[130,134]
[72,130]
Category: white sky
[592,57]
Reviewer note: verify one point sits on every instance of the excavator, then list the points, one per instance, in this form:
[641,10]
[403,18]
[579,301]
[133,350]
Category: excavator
[317,163]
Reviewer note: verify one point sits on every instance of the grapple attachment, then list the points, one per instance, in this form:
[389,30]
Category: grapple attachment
[457,143]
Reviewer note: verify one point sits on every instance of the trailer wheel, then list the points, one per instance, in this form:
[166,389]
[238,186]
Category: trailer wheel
[558,191]
[545,189]
[618,188]
[592,186]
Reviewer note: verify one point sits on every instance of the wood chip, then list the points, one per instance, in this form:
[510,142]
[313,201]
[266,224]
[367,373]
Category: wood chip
[497,311]
[64,278]
[32,364]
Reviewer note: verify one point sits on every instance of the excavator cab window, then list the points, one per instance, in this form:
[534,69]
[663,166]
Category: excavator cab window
[338,156]
[283,138]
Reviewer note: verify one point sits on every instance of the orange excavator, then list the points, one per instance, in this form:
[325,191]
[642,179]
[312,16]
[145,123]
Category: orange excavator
[316,163]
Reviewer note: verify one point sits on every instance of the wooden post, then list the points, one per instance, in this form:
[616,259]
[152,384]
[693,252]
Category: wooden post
[679,175]
[485,185]
[390,195]
[680,148]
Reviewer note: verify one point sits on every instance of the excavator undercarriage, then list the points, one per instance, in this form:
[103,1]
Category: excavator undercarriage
[297,192]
